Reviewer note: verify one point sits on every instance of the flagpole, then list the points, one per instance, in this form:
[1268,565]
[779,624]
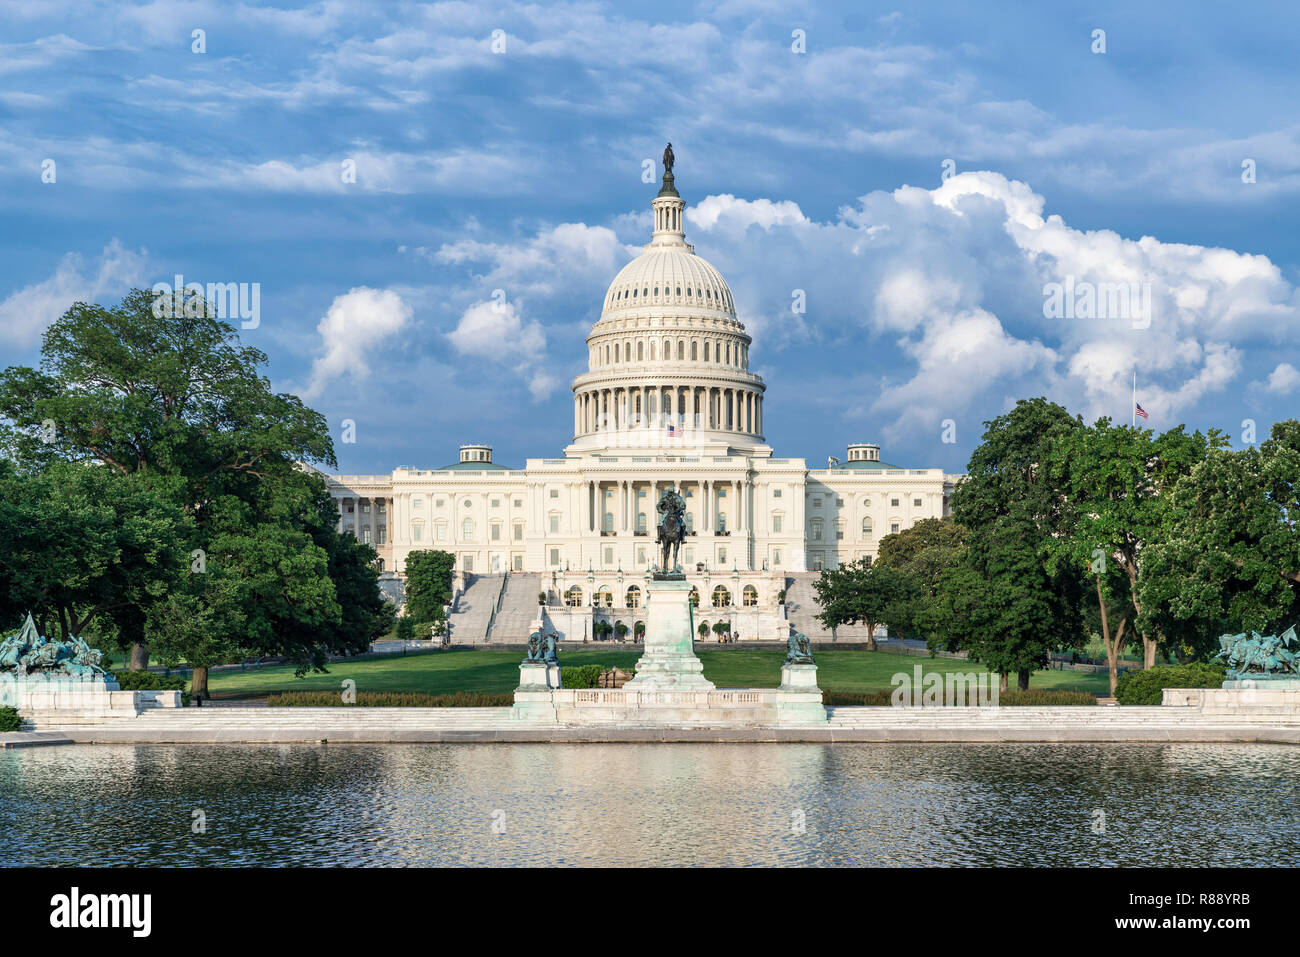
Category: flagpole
[1133,409]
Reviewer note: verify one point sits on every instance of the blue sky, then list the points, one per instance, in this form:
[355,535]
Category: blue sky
[520,169]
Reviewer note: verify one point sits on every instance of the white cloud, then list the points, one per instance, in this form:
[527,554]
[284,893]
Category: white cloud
[357,323]
[1284,380]
[955,279]
[25,314]
[497,334]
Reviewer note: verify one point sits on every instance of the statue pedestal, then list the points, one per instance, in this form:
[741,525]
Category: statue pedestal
[538,676]
[799,700]
[669,662]
[534,701]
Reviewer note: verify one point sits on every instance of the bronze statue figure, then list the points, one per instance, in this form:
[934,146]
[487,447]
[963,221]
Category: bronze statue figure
[672,529]
[668,158]
[798,649]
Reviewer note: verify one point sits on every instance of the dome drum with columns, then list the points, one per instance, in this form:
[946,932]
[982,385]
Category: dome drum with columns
[668,398]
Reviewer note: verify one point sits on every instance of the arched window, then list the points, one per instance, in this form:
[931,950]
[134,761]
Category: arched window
[866,528]
[467,530]
[573,597]
[706,352]
[634,597]
[695,351]
[681,349]
[627,352]
[640,521]
[640,351]
[604,599]
[721,597]
[750,596]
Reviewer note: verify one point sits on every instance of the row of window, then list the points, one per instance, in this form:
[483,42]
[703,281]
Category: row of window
[638,295]
[604,597]
[719,352]
[894,502]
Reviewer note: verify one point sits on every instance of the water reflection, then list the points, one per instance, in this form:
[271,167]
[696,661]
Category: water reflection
[741,805]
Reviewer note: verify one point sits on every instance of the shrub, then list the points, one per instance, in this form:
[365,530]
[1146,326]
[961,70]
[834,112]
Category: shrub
[405,628]
[390,699]
[1144,687]
[581,676]
[9,719]
[152,681]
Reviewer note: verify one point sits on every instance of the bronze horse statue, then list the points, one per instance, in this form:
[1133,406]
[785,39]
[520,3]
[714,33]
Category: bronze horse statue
[672,529]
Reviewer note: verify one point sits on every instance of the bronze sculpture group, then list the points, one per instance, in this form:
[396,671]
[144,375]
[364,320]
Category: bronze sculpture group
[542,648]
[29,652]
[1266,657]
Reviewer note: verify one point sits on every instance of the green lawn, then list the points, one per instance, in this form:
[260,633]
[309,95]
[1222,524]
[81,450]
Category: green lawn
[443,672]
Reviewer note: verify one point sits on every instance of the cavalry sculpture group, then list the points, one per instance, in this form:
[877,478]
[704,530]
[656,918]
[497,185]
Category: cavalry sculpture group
[1261,656]
[29,652]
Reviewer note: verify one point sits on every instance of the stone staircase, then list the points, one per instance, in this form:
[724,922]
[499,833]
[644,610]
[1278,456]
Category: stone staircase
[802,608]
[473,614]
[518,609]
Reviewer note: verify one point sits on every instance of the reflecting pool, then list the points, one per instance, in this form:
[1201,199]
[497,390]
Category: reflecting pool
[651,804]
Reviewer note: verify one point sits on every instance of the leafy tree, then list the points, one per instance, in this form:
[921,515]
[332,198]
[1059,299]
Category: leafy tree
[171,399]
[1229,558]
[620,630]
[405,628]
[1013,604]
[80,543]
[924,553]
[428,583]
[873,595]
[1117,481]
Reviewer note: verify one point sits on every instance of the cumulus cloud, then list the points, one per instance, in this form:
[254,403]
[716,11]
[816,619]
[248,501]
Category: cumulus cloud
[1284,380]
[356,323]
[496,333]
[26,313]
[945,290]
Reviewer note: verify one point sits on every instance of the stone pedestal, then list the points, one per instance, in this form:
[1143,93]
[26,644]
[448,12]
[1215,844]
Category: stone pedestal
[799,700]
[538,676]
[669,662]
[534,701]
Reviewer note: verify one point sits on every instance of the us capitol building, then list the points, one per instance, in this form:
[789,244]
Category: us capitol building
[667,399]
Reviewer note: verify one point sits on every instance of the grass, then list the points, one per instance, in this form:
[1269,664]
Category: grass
[496,672]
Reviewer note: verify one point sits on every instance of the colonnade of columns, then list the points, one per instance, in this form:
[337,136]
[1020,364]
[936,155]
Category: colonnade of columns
[657,406]
[617,498]
[379,520]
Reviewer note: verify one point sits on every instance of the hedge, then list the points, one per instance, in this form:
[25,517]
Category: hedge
[152,681]
[1145,686]
[9,719]
[390,699]
[581,676]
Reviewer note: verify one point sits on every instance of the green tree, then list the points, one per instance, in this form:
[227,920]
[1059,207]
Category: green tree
[171,399]
[859,592]
[80,544]
[1229,555]
[428,583]
[924,553]
[1014,604]
[1117,481]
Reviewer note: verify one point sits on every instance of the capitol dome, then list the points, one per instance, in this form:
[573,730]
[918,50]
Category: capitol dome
[668,360]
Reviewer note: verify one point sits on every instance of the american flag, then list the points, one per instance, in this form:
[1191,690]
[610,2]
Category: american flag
[673,430]
[1141,411]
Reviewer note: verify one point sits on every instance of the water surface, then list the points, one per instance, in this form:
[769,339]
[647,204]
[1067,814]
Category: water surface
[648,804]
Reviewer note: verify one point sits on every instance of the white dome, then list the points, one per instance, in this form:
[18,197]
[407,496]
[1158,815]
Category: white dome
[669,276]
